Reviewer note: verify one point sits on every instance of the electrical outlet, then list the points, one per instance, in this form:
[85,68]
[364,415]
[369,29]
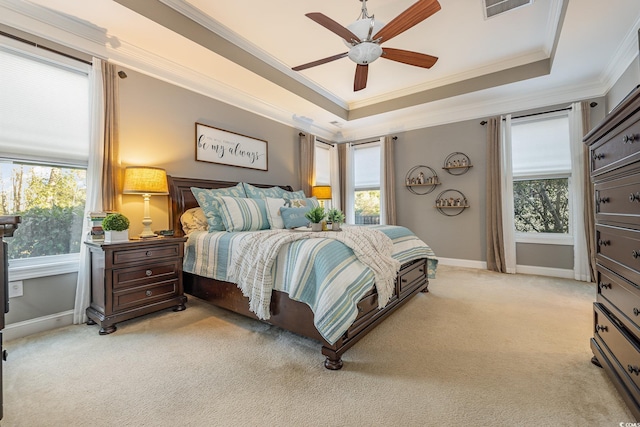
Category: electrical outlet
[15,289]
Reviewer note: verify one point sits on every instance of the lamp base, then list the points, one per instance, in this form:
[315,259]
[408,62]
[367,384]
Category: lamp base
[148,236]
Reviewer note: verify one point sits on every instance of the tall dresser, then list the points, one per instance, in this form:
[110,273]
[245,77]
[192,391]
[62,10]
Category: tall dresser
[614,148]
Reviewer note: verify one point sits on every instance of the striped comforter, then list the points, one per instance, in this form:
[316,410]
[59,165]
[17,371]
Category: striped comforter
[330,278]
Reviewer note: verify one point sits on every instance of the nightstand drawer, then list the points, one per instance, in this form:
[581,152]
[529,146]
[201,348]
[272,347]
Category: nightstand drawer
[147,253]
[123,300]
[137,276]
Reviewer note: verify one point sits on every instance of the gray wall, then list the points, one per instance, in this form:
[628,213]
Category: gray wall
[625,84]
[43,296]
[459,236]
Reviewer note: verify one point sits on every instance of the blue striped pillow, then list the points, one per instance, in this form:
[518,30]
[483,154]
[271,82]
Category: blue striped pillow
[240,214]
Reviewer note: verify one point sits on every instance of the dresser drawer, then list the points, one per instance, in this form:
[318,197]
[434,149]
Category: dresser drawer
[625,348]
[618,249]
[622,294]
[412,276]
[139,275]
[148,252]
[618,200]
[129,298]
[620,149]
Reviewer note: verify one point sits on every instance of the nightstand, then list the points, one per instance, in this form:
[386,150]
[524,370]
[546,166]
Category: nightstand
[134,278]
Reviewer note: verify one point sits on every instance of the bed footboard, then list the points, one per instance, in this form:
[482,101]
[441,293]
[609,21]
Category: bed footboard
[297,317]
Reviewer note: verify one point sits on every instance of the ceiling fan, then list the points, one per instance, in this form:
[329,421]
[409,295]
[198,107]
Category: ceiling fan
[365,36]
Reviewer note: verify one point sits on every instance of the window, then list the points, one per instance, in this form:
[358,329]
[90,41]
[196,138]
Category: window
[44,135]
[366,169]
[541,165]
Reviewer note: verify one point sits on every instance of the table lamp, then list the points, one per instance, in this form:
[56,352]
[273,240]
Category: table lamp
[147,181]
[321,192]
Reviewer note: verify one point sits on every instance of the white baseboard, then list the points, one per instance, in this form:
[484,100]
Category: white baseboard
[39,324]
[545,271]
[520,269]
[482,265]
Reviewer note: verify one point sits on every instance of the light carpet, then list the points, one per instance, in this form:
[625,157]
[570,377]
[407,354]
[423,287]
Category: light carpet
[481,348]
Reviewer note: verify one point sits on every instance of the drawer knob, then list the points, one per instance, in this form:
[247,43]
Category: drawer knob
[404,280]
[633,369]
[148,293]
[602,200]
[628,139]
[604,242]
[605,285]
[598,156]
[148,272]
[634,197]
[148,253]
[602,328]
[636,311]
[360,309]
[635,254]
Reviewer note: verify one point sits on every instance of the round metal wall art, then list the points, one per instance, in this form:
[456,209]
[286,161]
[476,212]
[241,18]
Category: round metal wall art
[421,180]
[451,202]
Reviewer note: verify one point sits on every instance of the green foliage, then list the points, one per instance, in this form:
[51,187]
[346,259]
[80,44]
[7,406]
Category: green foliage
[115,222]
[315,215]
[335,215]
[541,205]
[47,231]
[367,203]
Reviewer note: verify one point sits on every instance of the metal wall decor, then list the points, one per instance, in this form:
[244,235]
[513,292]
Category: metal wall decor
[457,163]
[421,180]
[451,202]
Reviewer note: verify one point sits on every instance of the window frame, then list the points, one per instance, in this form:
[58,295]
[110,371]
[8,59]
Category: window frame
[49,265]
[565,239]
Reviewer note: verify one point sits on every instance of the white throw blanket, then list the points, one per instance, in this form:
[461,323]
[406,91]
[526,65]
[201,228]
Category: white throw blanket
[252,262]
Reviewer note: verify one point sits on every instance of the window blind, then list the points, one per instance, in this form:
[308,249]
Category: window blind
[44,109]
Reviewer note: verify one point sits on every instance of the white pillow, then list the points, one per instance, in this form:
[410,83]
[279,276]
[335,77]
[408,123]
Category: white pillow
[273,212]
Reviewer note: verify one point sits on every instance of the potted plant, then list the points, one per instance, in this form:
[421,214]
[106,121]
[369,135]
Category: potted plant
[116,228]
[336,217]
[315,215]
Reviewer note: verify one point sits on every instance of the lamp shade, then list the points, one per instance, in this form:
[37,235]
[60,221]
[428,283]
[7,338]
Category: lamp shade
[145,180]
[321,192]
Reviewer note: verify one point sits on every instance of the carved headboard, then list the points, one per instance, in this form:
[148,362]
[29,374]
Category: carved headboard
[181,198]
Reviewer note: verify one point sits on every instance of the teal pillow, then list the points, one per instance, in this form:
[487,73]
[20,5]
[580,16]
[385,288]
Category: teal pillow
[294,217]
[275,192]
[207,199]
[242,214]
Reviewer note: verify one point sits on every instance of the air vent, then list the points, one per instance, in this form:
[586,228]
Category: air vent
[497,7]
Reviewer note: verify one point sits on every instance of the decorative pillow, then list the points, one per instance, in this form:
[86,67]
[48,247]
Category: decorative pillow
[301,203]
[274,192]
[242,214]
[273,212]
[294,217]
[193,219]
[207,199]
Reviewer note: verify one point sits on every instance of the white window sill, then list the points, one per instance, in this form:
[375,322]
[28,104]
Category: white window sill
[32,268]
[544,238]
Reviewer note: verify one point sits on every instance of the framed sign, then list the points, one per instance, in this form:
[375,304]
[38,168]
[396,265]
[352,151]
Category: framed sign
[228,148]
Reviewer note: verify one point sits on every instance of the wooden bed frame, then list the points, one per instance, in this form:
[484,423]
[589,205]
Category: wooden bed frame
[286,313]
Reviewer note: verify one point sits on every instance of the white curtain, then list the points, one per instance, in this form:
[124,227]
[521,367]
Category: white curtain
[335,178]
[581,267]
[508,224]
[94,188]
[350,215]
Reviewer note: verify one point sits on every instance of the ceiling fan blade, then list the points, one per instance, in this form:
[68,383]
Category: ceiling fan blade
[333,26]
[319,62]
[360,82]
[409,57]
[407,19]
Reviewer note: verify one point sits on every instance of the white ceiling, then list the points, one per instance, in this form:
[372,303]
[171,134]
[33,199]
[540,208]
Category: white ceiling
[549,52]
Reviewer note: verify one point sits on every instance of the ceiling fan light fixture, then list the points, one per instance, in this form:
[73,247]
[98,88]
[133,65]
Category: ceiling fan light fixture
[365,53]
[361,28]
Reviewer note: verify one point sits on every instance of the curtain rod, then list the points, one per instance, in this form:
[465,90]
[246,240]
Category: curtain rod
[318,140]
[34,44]
[593,104]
